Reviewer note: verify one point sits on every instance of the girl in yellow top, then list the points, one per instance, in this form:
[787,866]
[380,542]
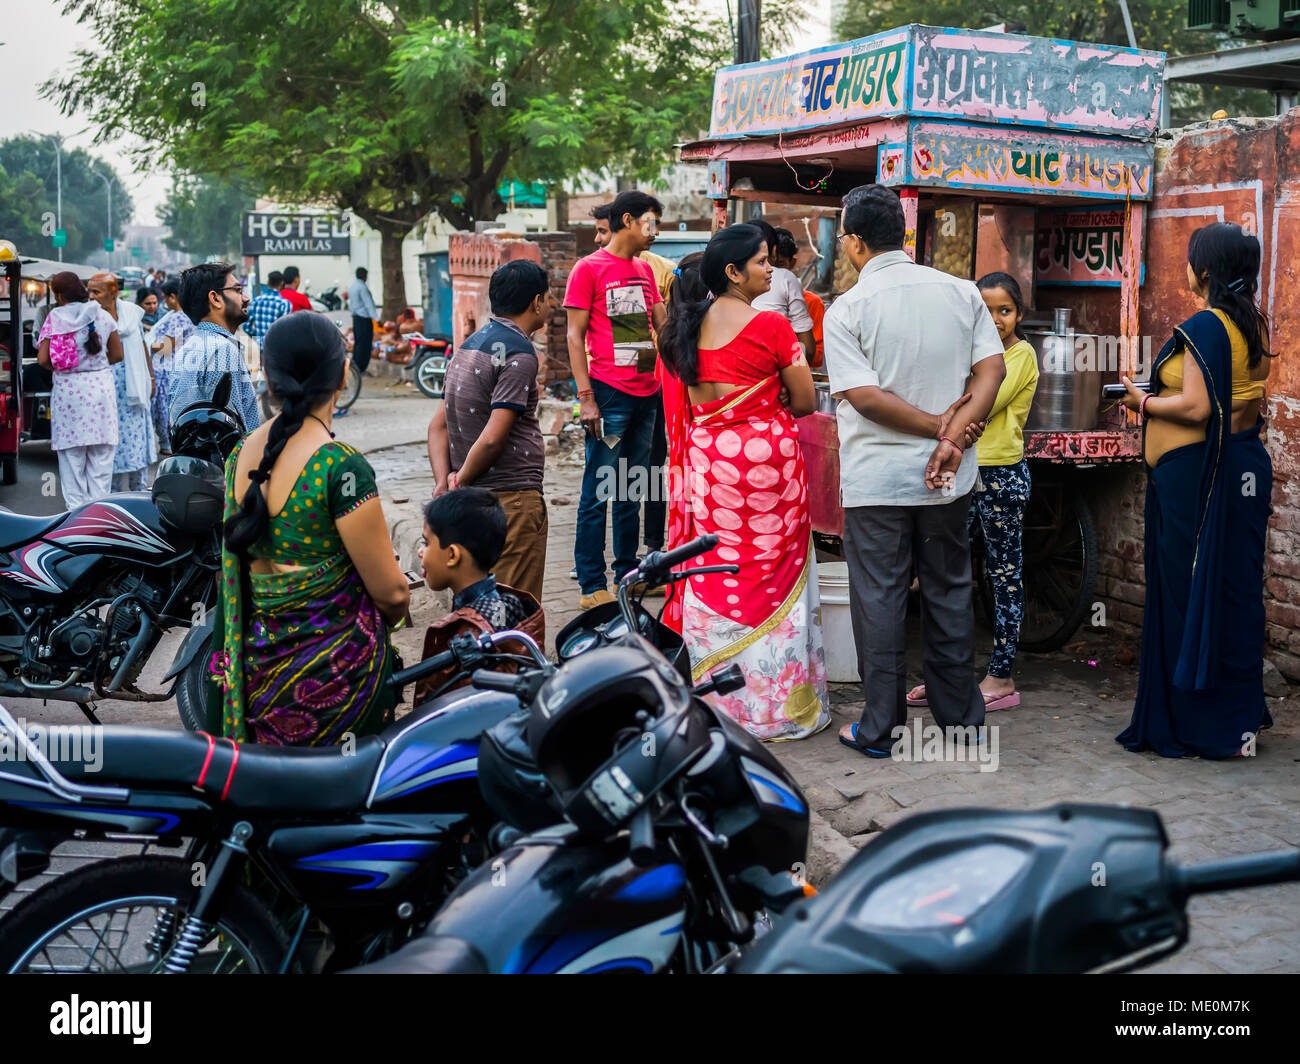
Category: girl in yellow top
[1209,481]
[1000,507]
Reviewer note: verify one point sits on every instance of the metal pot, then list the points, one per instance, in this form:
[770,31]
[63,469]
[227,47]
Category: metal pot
[1067,399]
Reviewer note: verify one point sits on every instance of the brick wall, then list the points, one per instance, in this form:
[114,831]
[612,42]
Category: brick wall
[559,253]
[1240,171]
[473,257]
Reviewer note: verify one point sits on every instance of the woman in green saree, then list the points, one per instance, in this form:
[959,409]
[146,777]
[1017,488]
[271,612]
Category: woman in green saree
[309,582]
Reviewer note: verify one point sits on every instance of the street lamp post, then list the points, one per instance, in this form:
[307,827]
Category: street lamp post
[108,187]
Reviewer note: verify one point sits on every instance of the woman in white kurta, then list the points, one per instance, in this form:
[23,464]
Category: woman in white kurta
[79,343]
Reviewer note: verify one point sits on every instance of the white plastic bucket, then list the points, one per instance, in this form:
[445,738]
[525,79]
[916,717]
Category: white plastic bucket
[837,625]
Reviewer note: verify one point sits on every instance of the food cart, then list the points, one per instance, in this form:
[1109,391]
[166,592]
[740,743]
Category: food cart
[1021,154]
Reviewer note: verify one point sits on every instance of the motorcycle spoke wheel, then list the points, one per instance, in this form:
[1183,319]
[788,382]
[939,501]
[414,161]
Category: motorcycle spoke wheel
[115,938]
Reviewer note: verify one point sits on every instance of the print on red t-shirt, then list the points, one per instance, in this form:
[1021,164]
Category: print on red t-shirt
[620,295]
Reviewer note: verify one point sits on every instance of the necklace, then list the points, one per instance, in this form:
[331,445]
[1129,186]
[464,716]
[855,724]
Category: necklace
[321,424]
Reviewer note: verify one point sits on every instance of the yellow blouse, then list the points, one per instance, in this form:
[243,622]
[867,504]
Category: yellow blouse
[1243,386]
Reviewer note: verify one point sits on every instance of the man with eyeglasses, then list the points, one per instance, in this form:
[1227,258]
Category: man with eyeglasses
[215,301]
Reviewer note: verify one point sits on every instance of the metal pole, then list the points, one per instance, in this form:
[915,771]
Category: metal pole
[58,185]
[749,20]
[1128,24]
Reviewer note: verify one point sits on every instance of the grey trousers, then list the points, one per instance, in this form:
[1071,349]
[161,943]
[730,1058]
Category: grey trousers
[881,543]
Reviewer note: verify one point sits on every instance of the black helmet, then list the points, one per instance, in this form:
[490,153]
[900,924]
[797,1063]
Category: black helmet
[610,729]
[202,432]
[190,493]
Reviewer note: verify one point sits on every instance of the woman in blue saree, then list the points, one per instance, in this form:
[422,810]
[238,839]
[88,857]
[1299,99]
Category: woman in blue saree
[1200,686]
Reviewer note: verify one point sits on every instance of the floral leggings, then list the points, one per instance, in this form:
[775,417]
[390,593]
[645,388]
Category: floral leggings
[1000,511]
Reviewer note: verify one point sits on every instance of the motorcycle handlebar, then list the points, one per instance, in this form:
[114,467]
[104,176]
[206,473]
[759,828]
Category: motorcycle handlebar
[661,561]
[424,668]
[641,837]
[1254,870]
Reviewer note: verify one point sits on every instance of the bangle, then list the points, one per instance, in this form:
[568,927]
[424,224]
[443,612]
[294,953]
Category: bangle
[586,393]
[960,450]
[1142,406]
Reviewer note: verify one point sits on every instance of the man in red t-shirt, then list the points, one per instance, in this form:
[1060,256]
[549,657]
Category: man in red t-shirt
[613,303]
[292,280]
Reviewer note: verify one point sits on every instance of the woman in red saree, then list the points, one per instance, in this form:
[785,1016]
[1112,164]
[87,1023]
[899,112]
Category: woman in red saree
[736,471]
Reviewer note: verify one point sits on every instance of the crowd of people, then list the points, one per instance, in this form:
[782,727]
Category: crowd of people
[694,373]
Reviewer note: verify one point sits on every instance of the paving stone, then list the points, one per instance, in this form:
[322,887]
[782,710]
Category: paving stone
[861,814]
[822,797]
[909,794]
[861,840]
[1261,954]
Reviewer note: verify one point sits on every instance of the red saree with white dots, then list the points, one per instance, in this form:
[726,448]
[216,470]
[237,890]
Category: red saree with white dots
[737,472]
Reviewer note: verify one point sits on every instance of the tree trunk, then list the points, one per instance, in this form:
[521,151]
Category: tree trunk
[390,260]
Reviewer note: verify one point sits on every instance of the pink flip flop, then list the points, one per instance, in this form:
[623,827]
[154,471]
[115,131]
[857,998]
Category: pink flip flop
[1004,702]
[919,703]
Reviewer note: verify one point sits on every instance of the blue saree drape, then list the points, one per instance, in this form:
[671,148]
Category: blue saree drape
[1201,680]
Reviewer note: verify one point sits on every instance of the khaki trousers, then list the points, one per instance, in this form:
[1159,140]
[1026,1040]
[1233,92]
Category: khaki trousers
[523,561]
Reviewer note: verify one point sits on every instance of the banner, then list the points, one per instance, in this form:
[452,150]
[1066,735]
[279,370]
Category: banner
[274,233]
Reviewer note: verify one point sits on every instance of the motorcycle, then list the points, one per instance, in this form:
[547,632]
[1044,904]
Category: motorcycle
[86,595]
[697,868]
[367,841]
[432,354]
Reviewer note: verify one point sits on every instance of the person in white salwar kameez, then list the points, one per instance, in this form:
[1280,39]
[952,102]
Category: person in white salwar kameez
[79,343]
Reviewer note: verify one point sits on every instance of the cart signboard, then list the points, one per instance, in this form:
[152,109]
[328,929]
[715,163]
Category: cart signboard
[1033,81]
[929,72]
[853,82]
[1081,247]
[953,155]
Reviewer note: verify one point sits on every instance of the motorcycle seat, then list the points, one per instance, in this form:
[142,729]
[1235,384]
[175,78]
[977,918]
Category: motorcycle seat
[429,955]
[243,775]
[18,529]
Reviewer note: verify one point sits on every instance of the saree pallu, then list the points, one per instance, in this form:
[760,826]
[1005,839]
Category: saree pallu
[1200,686]
[307,662]
[745,482]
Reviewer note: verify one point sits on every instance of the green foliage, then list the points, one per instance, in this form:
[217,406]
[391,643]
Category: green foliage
[203,214]
[1158,25]
[28,190]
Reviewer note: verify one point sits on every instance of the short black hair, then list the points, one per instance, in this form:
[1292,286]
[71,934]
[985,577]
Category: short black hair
[515,285]
[471,518]
[601,213]
[875,213]
[291,274]
[361,273]
[786,245]
[141,294]
[633,202]
[274,279]
[197,282]
[171,287]
[768,231]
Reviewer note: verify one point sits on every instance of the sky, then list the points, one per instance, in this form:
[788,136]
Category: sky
[36,36]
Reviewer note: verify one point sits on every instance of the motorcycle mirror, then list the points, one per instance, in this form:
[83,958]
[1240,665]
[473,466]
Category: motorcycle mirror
[722,681]
[221,393]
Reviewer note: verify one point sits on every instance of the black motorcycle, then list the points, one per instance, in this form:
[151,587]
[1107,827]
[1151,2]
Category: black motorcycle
[683,844]
[361,843]
[86,595]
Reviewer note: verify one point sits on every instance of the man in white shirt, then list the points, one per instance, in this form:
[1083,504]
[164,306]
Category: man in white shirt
[899,344]
[785,295]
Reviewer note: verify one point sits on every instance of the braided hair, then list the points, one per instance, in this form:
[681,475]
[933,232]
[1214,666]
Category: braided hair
[303,356]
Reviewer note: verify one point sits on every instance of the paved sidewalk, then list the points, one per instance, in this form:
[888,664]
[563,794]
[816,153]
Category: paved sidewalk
[1057,746]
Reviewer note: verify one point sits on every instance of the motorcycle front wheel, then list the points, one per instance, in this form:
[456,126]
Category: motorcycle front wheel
[192,691]
[124,916]
[431,374]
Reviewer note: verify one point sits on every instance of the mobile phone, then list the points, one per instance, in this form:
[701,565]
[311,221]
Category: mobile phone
[1118,391]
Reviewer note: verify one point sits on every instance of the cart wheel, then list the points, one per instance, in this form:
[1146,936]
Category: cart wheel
[9,469]
[1060,573]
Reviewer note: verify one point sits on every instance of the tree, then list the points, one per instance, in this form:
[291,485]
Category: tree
[1158,25]
[29,199]
[397,108]
[204,215]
